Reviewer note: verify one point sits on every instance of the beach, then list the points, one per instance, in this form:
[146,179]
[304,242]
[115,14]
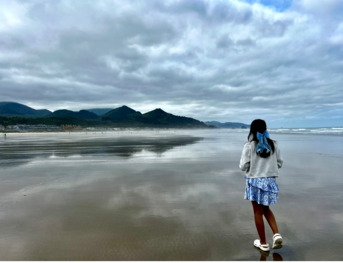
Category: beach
[162,195]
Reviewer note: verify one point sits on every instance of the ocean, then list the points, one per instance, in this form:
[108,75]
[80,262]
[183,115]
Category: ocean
[314,130]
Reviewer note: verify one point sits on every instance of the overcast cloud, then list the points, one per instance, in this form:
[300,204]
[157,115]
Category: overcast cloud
[210,60]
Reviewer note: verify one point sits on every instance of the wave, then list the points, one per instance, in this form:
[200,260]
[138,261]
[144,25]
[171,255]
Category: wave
[319,130]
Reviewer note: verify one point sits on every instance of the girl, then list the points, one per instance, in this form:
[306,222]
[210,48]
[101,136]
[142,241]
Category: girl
[261,159]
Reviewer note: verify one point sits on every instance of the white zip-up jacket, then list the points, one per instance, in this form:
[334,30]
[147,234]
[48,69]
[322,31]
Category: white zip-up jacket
[256,166]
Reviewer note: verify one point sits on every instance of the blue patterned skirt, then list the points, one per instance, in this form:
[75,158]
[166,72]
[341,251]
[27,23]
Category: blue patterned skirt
[263,190]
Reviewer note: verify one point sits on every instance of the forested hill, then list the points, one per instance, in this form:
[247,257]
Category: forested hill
[157,117]
[8,108]
[82,114]
[227,124]
[122,116]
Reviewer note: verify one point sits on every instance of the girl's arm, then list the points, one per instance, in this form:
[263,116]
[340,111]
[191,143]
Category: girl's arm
[279,158]
[244,164]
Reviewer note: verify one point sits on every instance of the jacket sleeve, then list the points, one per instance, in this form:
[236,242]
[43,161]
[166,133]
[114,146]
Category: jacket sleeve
[279,158]
[244,164]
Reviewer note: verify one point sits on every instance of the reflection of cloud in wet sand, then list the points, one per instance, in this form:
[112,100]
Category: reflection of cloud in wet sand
[137,216]
[15,153]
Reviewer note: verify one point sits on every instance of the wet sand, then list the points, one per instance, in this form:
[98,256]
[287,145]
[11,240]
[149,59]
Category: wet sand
[168,195]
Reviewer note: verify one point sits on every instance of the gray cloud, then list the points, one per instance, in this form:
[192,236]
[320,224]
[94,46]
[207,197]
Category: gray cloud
[211,60]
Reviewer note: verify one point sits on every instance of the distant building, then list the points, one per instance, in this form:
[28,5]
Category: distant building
[70,127]
[43,127]
[25,127]
[21,127]
[12,127]
[2,127]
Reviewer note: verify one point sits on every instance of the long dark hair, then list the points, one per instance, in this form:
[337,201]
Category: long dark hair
[260,126]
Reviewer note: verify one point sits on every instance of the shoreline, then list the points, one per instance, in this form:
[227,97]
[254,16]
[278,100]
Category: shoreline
[93,131]
[238,131]
[98,132]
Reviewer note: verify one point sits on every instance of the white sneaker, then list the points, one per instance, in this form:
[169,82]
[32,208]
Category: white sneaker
[257,243]
[277,241]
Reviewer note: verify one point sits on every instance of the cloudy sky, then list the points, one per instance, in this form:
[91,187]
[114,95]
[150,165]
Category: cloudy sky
[223,60]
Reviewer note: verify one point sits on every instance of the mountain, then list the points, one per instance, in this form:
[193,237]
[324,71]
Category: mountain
[12,113]
[4,111]
[82,114]
[157,118]
[157,114]
[227,124]
[120,113]
[8,108]
[100,111]
[165,118]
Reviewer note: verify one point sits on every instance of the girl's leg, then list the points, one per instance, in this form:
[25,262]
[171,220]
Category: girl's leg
[258,213]
[271,219]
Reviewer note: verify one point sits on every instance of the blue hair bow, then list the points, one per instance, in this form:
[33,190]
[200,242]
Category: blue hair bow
[262,142]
